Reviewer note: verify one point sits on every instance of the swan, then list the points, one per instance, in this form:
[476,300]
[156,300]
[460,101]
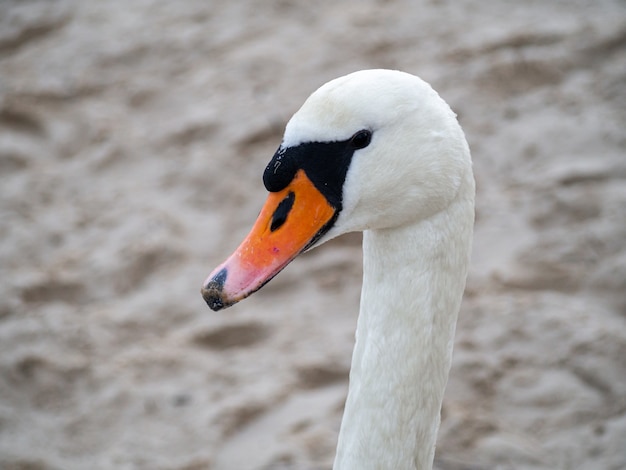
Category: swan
[376,151]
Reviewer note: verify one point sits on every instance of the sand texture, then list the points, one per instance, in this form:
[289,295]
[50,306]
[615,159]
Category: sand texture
[133,137]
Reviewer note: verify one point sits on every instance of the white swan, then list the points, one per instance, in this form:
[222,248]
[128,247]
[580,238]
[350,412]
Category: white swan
[377,151]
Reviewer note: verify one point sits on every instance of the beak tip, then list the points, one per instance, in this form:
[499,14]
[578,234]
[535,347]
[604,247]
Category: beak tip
[213,291]
[215,299]
[215,303]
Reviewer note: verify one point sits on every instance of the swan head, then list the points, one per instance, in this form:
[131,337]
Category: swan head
[372,150]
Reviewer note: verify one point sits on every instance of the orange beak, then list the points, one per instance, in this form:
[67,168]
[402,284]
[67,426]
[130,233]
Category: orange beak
[291,220]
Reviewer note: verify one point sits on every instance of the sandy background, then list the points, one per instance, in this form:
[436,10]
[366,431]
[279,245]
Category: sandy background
[133,136]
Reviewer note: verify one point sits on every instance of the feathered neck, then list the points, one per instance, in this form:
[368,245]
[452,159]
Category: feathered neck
[413,281]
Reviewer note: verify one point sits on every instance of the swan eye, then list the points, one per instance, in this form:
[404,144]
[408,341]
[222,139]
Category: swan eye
[361,139]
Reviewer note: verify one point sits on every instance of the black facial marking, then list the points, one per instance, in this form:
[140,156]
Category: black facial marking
[280,214]
[279,171]
[325,164]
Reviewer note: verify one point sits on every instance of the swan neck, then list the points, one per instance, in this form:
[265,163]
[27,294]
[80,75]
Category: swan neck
[413,281]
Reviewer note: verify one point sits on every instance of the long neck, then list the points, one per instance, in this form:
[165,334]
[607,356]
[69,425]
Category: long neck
[413,281]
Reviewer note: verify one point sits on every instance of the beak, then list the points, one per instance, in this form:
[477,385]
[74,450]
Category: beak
[291,220]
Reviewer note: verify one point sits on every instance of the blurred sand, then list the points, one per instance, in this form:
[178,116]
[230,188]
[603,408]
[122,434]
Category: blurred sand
[133,136]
